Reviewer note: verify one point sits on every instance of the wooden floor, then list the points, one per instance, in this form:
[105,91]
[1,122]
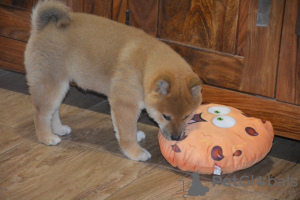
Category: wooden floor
[88,163]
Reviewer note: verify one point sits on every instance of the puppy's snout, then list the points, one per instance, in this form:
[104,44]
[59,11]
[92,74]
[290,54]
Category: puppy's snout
[175,137]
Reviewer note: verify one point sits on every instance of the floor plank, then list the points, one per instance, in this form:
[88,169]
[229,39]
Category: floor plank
[11,137]
[104,107]
[163,183]
[67,171]
[95,130]
[274,168]
[16,110]
[271,171]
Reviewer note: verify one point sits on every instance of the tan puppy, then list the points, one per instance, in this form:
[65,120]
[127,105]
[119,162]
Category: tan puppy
[134,70]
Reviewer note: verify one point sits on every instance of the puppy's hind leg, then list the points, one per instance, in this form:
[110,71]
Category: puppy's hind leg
[57,127]
[47,95]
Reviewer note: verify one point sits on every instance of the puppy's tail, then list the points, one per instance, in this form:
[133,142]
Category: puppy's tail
[46,11]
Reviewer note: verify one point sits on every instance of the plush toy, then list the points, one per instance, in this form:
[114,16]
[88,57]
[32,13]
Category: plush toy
[219,138]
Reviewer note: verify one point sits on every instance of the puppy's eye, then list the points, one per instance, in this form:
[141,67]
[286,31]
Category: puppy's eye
[186,117]
[168,118]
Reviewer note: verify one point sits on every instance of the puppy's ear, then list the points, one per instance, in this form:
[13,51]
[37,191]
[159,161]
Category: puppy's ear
[195,86]
[163,85]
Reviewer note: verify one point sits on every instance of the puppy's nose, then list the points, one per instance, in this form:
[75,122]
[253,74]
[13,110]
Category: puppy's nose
[175,137]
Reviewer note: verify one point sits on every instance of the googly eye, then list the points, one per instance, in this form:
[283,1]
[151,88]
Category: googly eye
[219,110]
[224,121]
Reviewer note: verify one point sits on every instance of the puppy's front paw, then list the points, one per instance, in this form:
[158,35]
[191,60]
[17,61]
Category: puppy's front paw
[50,140]
[137,153]
[140,136]
[145,155]
[62,130]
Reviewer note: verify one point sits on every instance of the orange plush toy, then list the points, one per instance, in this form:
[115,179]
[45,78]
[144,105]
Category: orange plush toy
[219,137]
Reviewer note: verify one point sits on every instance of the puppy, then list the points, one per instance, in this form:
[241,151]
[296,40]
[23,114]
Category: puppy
[134,70]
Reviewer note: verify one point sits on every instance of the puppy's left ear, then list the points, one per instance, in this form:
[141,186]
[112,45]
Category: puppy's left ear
[196,87]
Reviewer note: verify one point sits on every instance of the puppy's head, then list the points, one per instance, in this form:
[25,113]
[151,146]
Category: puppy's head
[172,103]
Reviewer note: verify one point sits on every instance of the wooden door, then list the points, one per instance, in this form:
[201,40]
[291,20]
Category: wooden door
[288,79]
[143,14]
[14,32]
[97,7]
[15,26]
[221,41]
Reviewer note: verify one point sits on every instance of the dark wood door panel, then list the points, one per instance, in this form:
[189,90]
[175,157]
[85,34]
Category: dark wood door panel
[12,54]
[227,27]
[261,50]
[207,24]
[14,23]
[143,14]
[119,10]
[288,79]
[97,7]
[214,68]
[26,4]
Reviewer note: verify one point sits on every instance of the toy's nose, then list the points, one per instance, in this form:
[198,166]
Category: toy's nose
[175,137]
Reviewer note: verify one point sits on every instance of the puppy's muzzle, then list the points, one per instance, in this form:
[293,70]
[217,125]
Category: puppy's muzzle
[175,137]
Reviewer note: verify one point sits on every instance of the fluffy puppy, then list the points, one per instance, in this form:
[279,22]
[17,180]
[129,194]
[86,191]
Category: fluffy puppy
[134,70]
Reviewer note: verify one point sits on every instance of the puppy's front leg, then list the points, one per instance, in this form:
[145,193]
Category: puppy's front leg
[125,115]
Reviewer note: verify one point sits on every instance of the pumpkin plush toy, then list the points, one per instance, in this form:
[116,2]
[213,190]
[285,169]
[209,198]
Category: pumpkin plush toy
[219,136]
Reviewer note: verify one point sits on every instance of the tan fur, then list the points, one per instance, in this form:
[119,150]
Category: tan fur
[133,69]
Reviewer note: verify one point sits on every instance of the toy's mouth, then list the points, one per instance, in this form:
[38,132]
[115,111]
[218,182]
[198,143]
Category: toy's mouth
[197,118]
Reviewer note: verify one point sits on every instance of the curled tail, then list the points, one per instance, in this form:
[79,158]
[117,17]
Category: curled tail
[46,11]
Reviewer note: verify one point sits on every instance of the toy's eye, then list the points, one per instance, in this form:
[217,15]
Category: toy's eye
[219,110]
[168,118]
[224,121]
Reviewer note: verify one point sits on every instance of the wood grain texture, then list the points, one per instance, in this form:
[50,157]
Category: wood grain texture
[119,10]
[288,79]
[11,137]
[26,4]
[67,171]
[228,27]
[14,23]
[163,183]
[275,168]
[12,54]
[261,51]
[297,101]
[284,117]
[207,24]
[97,7]
[143,15]
[16,110]
[242,29]
[214,68]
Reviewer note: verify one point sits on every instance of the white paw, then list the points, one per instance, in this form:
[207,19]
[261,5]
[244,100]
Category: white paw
[63,130]
[117,136]
[53,140]
[140,136]
[145,155]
